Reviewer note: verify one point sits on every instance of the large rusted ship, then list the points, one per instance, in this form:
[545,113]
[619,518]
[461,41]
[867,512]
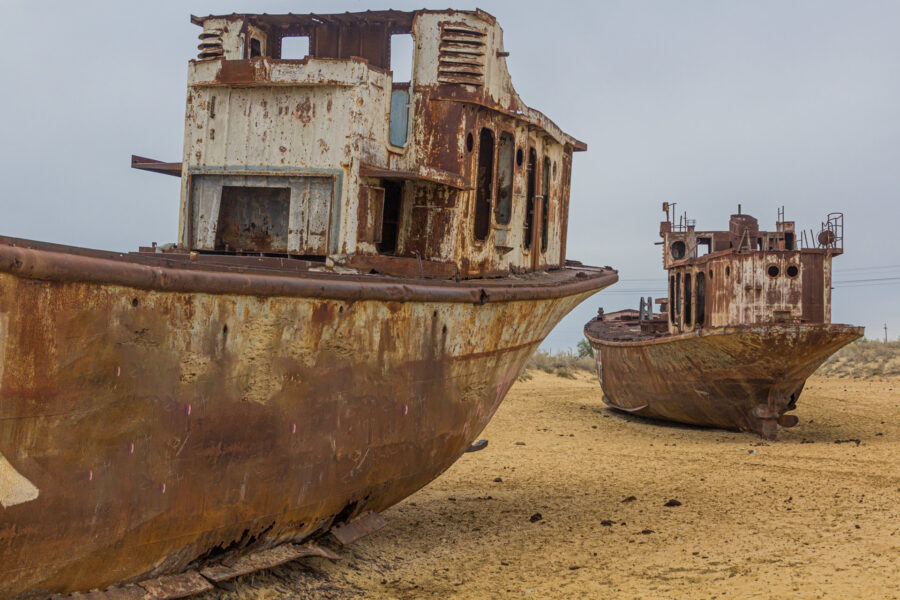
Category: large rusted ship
[363,267]
[747,320]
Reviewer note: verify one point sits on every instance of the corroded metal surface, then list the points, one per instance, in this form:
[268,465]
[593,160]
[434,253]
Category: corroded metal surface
[255,115]
[322,340]
[161,427]
[743,326]
[742,378]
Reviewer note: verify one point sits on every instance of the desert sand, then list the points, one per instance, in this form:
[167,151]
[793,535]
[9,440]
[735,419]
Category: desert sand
[815,514]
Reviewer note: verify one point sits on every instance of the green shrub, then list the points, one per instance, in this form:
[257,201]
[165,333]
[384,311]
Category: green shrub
[863,358]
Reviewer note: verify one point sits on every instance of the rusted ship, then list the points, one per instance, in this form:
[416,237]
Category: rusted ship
[747,320]
[363,267]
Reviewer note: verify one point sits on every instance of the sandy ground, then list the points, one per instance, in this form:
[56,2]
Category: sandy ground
[812,515]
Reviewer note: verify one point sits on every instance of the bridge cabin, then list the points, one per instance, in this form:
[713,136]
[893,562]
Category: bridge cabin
[325,157]
[744,276]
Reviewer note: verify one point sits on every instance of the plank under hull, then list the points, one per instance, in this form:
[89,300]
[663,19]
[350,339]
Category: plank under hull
[742,378]
[144,431]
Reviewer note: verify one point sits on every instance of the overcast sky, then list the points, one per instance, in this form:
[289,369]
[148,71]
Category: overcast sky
[707,104]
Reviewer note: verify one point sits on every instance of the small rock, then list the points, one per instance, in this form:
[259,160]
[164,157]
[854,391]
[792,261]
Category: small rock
[606,523]
[520,443]
[535,517]
[629,499]
[672,502]
[574,567]
[451,499]
[498,479]
[646,531]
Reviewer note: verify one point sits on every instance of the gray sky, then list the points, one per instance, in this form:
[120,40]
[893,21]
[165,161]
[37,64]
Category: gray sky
[707,104]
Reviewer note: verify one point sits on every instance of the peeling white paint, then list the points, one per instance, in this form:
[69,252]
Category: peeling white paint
[14,488]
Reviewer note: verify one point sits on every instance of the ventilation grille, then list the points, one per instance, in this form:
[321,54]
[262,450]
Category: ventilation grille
[461,57]
[210,44]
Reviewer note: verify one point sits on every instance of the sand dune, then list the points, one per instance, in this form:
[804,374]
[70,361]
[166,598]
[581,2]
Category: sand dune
[815,514]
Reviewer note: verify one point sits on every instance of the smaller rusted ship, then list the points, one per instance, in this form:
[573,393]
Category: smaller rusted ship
[746,322]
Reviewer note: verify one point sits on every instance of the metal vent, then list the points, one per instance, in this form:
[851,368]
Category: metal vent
[210,44]
[461,56]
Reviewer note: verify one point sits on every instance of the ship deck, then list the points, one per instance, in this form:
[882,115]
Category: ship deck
[624,328]
[287,276]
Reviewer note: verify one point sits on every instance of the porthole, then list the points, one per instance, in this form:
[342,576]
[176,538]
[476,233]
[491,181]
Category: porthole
[792,271]
[470,142]
[677,249]
[772,271]
[519,157]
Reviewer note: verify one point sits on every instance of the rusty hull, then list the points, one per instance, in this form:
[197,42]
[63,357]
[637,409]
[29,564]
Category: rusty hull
[740,378]
[146,429]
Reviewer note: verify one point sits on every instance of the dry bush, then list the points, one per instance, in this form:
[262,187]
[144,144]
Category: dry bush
[562,364]
[862,359]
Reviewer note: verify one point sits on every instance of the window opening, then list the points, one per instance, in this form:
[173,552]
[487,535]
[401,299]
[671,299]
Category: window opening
[701,299]
[253,219]
[792,271]
[706,243]
[688,297]
[390,223]
[678,249]
[519,157]
[529,205]
[484,183]
[678,299]
[294,47]
[402,56]
[672,298]
[505,168]
[788,241]
[545,203]
[255,47]
[772,271]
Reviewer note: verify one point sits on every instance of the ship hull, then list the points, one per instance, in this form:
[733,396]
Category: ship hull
[742,378]
[146,428]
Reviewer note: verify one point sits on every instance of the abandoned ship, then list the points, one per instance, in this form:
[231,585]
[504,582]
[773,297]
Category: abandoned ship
[747,320]
[362,268]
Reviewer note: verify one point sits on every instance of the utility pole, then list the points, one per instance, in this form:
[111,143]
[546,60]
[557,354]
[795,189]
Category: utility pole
[885,333]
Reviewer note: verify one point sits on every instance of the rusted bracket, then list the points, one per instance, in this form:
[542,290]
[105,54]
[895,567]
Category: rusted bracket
[156,166]
[172,587]
[347,533]
[168,587]
[265,559]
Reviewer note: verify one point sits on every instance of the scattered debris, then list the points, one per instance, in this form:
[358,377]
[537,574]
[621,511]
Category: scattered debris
[848,440]
[535,517]
[672,502]
[629,499]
